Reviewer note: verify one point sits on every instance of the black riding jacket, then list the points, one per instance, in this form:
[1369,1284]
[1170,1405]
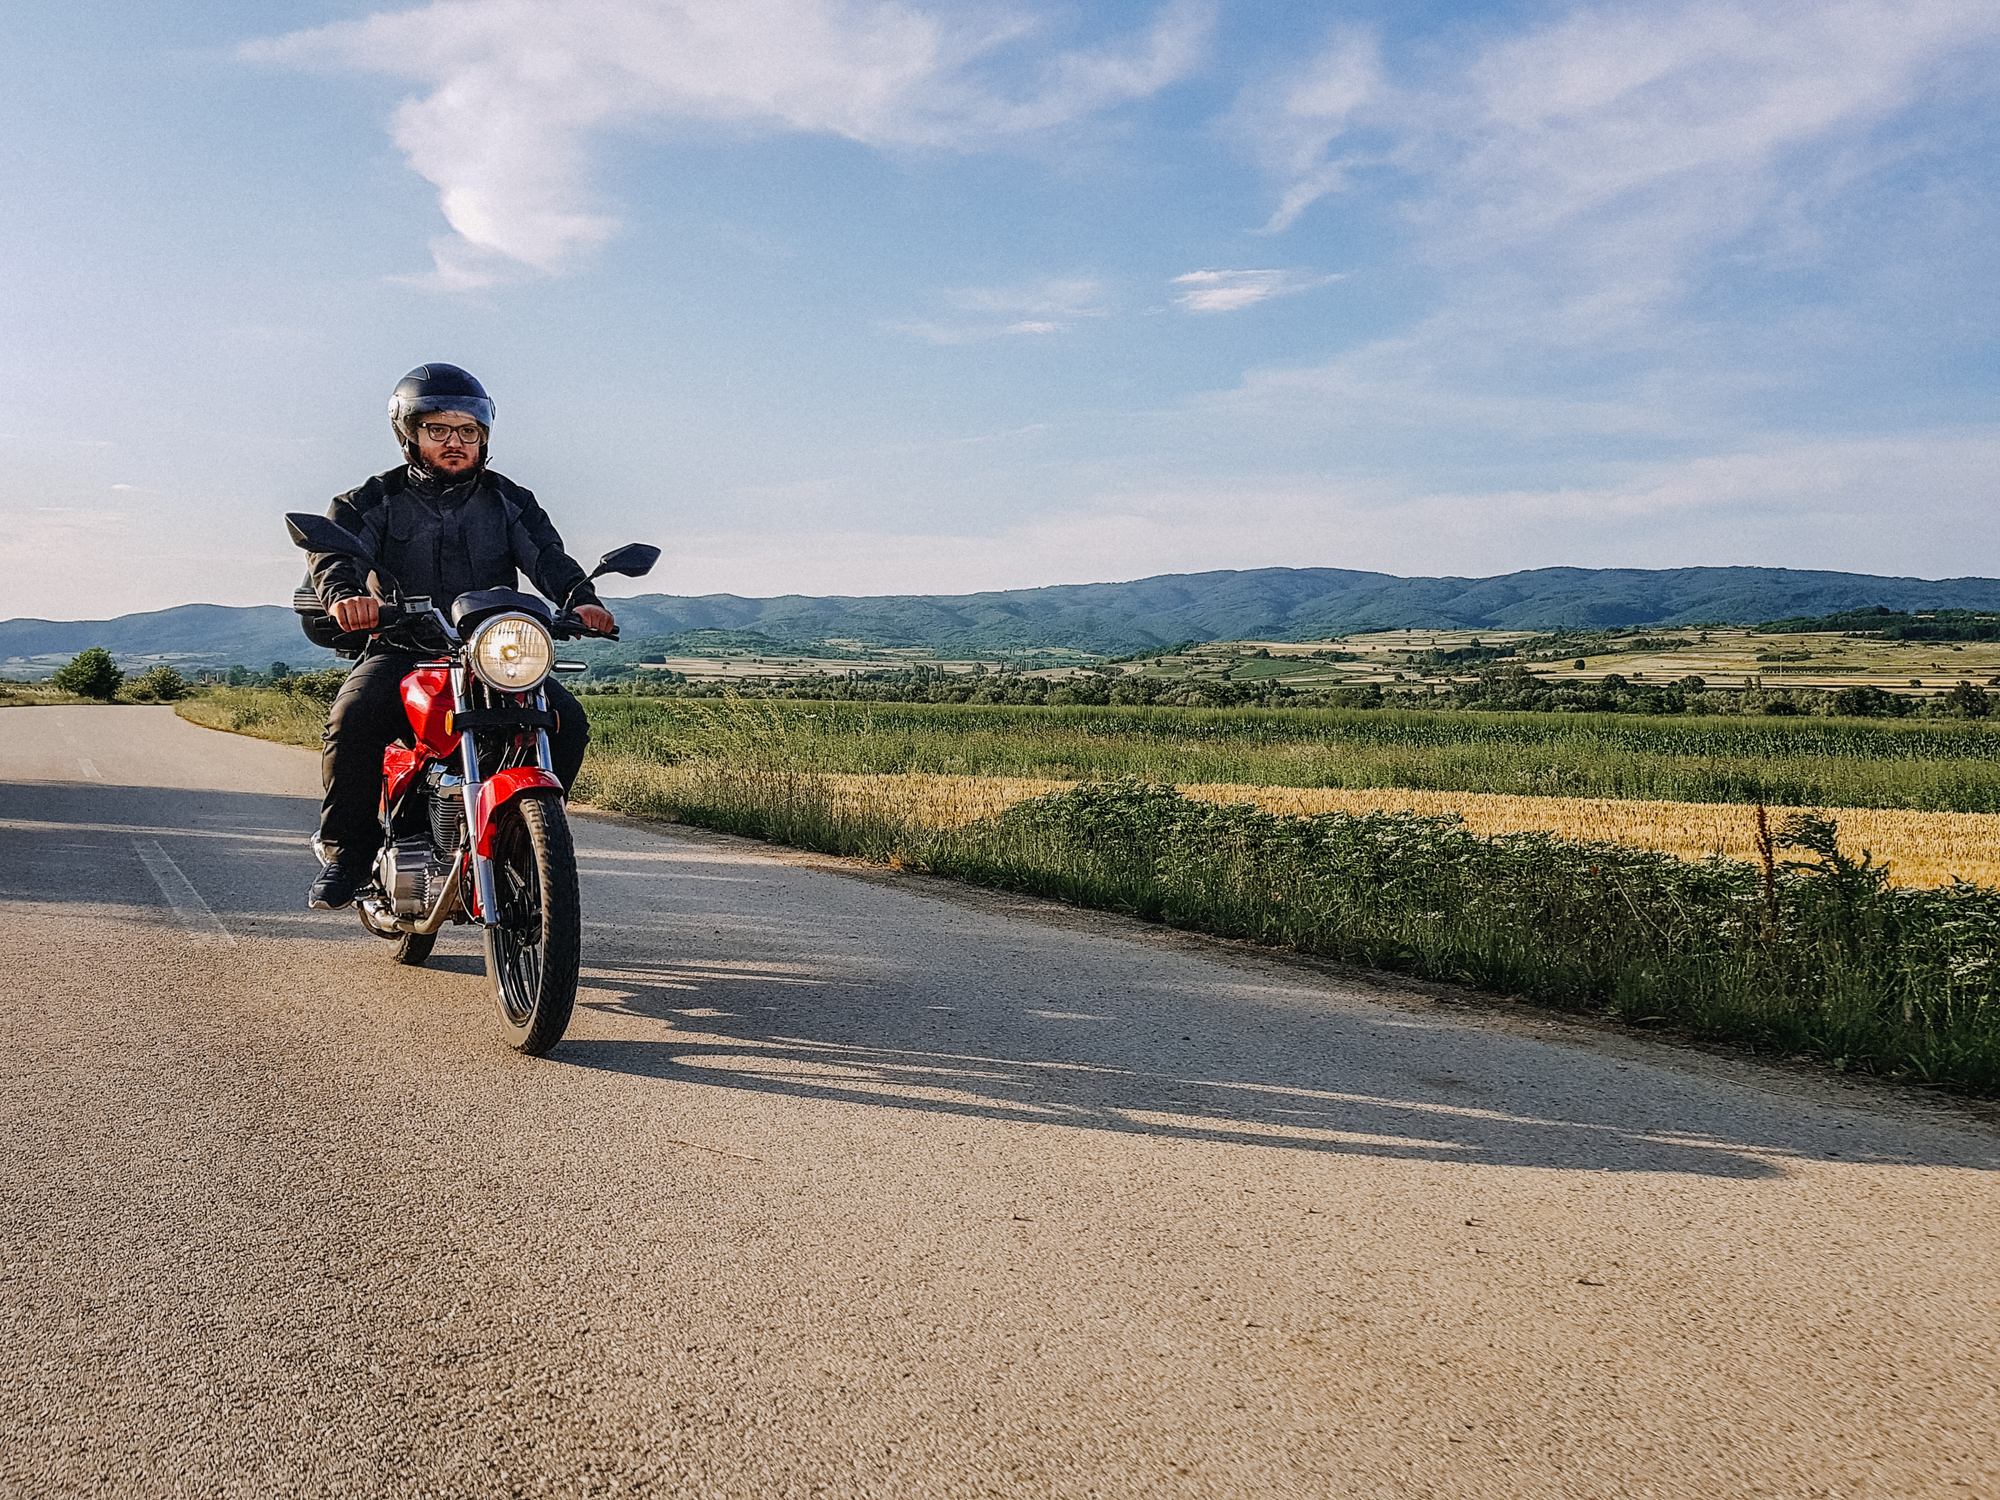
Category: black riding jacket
[449,539]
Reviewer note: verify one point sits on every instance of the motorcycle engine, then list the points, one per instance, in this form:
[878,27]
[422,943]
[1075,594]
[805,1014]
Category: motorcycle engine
[400,870]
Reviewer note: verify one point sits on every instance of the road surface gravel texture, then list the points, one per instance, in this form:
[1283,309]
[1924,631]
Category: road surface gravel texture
[863,1185]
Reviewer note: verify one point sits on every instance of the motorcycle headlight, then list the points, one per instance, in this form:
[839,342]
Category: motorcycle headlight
[512,653]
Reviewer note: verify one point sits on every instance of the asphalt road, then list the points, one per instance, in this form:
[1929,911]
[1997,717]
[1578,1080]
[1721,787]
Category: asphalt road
[847,1186]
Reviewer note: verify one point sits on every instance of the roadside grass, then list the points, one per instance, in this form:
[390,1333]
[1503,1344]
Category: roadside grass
[37,695]
[1934,765]
[266,713]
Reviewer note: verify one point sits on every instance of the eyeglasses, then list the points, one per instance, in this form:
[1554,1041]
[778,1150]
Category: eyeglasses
[437,432]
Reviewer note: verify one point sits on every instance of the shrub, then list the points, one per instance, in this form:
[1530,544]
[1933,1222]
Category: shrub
[320,687]
[161,685]
[91,673]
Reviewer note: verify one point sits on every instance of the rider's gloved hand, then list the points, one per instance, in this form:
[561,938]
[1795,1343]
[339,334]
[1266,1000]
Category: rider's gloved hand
[358,613]
[596,617]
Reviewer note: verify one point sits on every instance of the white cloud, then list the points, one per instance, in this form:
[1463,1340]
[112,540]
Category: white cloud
[1620,141]
[1569,193]
[1293,123]
[1229,291]
[947,334]
[516,89]
[1074,297]
[1039,308]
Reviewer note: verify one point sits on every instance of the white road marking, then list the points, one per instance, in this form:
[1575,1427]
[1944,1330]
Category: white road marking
[180,892]
[88,769]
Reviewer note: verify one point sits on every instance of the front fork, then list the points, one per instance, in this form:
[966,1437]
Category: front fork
[482,866]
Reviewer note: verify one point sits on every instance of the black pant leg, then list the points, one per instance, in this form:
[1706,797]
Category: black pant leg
[367,716]
[572,734]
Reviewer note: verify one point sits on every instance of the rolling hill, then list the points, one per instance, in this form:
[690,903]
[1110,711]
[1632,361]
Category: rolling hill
[1112,618]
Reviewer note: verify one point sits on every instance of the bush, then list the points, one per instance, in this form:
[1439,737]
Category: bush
[161,685]
[91,673]
[320,687]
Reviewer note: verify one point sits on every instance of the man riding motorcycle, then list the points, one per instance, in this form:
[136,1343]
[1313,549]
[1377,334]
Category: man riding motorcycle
[443,524]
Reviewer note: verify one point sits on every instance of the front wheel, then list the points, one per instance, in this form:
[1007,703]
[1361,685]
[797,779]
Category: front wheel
[534,938]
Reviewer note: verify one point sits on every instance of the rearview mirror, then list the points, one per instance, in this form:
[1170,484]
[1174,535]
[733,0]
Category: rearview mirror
[634,560]
[318,534]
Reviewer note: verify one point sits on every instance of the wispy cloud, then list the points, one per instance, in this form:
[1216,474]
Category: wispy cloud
[1229,291]
[975,333]
[1074,297]
[517,88]
[1624,138]
[1587,200]
[1030,309]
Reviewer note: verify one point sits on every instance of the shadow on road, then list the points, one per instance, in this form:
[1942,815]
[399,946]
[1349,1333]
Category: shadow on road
[1339,1084]
[245,853]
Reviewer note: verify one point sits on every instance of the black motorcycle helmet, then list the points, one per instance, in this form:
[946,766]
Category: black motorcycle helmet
[432,388]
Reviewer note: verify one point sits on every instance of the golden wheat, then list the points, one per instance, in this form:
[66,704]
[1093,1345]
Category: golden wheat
[1921,848]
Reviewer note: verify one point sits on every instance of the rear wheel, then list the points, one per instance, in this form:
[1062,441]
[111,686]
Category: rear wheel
[413,948]
[410,948]
[534,938]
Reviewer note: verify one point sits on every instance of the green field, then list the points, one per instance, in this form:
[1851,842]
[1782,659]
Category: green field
[1931,765]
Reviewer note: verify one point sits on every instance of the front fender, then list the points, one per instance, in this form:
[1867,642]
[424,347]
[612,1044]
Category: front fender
[503,787]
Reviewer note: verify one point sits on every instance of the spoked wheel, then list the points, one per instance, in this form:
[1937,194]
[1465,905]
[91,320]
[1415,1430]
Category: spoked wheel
[533,949]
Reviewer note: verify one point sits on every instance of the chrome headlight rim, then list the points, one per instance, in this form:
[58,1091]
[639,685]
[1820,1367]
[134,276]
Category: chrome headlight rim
[475,657]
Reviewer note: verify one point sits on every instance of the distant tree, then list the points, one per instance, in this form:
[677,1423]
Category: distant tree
[161,685]
[1865,702]
[240,675]
[1968,701]
[279,671]
[91,673]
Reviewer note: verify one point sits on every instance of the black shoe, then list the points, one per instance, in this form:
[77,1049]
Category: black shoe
[334,889]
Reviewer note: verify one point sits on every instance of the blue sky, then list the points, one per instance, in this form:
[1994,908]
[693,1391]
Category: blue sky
[863,298]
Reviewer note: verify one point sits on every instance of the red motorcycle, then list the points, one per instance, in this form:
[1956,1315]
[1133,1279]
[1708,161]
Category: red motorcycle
[473,820]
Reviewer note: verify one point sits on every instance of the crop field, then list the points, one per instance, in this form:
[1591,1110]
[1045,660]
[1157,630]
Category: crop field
[1721,656]
[1931,765]
[1917,848]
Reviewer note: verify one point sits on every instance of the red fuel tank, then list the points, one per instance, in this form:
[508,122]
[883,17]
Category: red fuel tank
[427,700]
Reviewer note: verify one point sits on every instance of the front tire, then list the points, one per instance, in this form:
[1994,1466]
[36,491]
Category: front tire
[534,940]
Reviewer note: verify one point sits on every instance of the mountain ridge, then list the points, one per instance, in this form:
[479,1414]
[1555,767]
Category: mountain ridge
[1110,618]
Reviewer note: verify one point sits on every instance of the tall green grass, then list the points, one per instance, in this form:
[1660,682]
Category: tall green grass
[266,713]
[1932,766]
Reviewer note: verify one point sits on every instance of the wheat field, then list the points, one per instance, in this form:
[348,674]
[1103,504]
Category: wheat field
[1921,848]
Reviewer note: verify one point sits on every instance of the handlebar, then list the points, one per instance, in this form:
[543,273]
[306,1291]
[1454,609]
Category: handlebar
[567,627]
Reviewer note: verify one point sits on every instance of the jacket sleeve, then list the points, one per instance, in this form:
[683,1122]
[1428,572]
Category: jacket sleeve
[335,575]
[538,552]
